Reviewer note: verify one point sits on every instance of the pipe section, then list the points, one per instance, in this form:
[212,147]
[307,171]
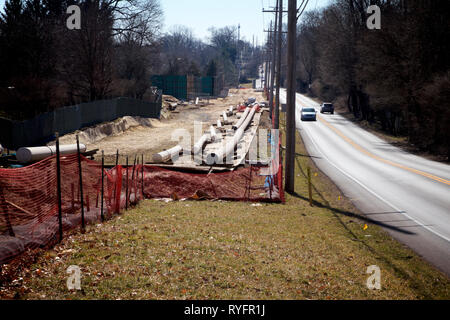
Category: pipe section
[198,147]
[213,134]
[242,119]
[225,118]
[167,155]
[219,155]
[27,155]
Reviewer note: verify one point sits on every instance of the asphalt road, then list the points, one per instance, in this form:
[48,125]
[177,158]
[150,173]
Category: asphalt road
[406,194]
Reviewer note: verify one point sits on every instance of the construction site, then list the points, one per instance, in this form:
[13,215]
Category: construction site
[253,150]
[89,175]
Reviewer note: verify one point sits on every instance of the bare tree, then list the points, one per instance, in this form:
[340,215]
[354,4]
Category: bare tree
[88,54]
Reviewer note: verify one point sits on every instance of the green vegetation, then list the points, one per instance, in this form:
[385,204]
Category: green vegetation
[236,250]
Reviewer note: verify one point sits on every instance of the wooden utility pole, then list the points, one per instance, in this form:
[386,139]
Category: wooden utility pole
[239,55]
[278,74]
[274,61]
[266,66]
[272,69]
[290,114]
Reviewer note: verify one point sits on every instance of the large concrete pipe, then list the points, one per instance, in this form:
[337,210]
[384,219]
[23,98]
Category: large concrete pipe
[242,119]
[230,111]
[27,155]
[219,124]
[167,155]
[212,134]
[198,147]
[220,154]
[225,118]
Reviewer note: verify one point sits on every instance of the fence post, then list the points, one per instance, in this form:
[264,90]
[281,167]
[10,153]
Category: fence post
[132,179]
[143,196]
[310,187]
[103,185]
[126,187]
[58,186]
[83,226]
[117,172]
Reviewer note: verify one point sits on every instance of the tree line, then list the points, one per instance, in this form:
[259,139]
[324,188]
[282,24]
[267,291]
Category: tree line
[220,55]
[45,65]
[397,78]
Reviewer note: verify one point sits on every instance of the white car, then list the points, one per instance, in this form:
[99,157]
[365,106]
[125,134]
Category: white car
[309,114]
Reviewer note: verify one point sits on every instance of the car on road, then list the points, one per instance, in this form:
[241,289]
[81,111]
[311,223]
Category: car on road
[309,114]
[327,107]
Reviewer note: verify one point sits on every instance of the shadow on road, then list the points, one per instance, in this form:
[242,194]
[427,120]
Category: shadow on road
[339,212]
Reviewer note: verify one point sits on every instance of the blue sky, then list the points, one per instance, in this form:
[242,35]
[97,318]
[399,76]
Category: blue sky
[200,15]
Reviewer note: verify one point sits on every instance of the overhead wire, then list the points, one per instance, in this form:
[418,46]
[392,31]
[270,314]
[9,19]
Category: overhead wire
[304,7]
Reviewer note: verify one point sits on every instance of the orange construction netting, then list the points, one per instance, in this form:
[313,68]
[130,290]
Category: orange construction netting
[29,211]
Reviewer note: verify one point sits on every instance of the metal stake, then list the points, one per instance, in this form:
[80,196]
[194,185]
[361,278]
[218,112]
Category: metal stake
[126,187]
[103,185]
[58,186]
[83,225]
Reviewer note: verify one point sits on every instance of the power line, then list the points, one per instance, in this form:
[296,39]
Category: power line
[306,4]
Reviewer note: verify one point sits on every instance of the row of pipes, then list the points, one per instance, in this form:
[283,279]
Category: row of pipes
[218,155]
[28,155]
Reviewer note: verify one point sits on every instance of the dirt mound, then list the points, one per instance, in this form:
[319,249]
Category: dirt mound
[97,133]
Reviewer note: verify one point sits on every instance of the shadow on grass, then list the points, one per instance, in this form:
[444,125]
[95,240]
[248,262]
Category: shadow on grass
[327,205]
[350,214]
[307,156]
[339,212]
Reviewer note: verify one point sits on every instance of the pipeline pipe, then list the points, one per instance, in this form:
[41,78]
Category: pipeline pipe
[213,134]
[219,124]
[27,155]
[225,117]
[198,147]
[216,157]
[242,119]
[167,155]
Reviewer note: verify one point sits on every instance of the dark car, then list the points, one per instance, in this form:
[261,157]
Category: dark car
[327,107]
[309,114]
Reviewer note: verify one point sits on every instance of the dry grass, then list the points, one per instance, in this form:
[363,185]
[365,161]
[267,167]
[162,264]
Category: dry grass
[231,250]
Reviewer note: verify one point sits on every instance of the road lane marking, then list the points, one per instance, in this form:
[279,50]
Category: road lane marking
[324,156]
[373,156]
[368,153]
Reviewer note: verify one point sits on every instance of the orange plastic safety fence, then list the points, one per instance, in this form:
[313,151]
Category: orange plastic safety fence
[29,213]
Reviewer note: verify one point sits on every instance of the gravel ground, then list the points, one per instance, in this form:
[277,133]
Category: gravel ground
[150,137]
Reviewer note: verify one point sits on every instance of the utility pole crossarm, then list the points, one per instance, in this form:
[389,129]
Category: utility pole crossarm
[270,31]
[274,11]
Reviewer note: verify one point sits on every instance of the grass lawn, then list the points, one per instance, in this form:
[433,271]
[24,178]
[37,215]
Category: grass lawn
[232,250]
